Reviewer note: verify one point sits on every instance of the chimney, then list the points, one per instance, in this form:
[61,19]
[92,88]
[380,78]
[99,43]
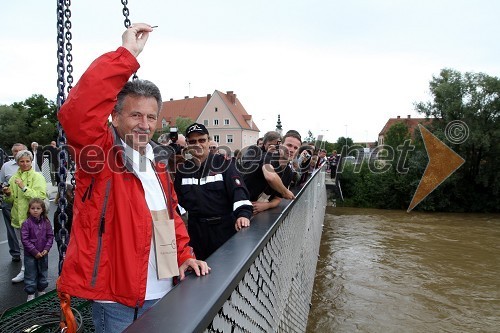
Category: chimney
[399,117]
[232,96]
[409,116]
[208,97]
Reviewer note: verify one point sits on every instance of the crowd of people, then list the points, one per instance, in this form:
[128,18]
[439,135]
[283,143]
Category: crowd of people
[144,211]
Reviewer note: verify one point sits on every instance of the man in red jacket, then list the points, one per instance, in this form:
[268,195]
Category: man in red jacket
[123,190]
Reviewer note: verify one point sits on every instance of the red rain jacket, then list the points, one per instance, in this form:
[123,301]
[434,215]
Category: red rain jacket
[107,257]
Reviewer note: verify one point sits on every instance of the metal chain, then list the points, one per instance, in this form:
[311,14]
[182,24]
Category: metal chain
[127,24]
[64,37]
[69,79]
[126,13]
[60,54]
[64,45]
[69,46]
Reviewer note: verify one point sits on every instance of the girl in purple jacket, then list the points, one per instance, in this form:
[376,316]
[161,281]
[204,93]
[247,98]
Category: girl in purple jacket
[37,237]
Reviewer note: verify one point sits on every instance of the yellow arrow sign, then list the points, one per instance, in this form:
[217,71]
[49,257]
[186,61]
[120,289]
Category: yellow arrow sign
[443,162]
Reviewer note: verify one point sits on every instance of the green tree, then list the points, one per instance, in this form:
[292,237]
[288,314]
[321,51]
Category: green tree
[397,135]
[467,110]
[329,146]
[40,121]
[343,145]
[12,126]
[181,123]
[43,131]
[38,107]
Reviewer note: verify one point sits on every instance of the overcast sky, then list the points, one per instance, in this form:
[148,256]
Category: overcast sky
[329,66]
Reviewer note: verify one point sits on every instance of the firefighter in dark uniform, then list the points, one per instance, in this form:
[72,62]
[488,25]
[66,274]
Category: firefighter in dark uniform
[212,191]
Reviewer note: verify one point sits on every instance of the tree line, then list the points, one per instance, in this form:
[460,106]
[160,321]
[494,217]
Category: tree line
[464,110]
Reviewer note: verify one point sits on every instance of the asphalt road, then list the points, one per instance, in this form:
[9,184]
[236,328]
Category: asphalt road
[13,294]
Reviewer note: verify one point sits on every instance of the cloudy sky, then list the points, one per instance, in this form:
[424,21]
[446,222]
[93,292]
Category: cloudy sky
[329,66]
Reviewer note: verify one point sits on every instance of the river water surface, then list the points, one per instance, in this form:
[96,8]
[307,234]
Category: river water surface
[392,271]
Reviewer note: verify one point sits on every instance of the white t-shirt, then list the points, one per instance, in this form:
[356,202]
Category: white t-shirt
[156,201]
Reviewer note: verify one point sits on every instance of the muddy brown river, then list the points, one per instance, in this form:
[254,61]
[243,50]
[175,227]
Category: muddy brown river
[392,271]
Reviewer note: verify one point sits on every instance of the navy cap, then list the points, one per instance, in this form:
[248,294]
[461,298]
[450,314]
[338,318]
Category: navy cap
[196,128]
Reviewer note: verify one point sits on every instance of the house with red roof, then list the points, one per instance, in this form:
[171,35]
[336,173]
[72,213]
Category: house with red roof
[223,115]
[411,123]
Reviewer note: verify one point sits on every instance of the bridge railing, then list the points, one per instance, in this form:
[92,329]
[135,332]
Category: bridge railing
[261,280]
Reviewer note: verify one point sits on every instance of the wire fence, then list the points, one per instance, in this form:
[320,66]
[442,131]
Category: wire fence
[265,289]
[274,294]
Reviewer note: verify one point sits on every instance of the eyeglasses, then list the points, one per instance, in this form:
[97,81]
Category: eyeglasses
[194,141]
[213,147]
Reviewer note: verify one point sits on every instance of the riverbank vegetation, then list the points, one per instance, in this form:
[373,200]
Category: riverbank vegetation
[464,113]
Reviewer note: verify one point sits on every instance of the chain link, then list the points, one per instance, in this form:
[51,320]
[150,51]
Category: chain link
[127,24]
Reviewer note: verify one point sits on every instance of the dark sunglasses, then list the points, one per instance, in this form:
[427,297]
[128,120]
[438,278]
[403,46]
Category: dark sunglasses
[194,141]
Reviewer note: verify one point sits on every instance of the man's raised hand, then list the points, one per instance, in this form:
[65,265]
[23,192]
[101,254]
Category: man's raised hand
[135,37]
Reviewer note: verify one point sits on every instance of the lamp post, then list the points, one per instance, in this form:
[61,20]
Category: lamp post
[321,138]
[346,139]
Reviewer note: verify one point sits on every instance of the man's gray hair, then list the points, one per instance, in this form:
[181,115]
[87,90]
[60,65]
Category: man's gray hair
[19,145]
[271,136]
[138,88]
[23,153]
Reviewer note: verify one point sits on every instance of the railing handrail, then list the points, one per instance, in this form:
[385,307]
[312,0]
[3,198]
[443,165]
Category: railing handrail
[191,305]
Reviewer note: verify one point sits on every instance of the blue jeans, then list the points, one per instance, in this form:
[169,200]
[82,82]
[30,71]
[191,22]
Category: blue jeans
[11,234]
[115,317]
[35,273]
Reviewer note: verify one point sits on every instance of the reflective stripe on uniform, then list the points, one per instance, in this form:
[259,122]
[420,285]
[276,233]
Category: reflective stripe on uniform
[240,203]
[203,181]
